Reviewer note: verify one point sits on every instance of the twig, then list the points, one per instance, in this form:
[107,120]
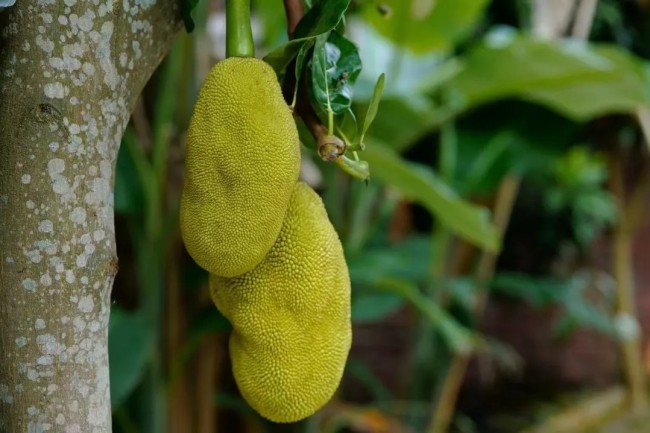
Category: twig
[638,201]
[294,11]
[330,147]
[209,363]
[446,402]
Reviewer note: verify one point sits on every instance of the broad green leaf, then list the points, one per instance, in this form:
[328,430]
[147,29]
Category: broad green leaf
[457,337]
[577,79]
[395,270]
[448,154]
[273,20]
[419,183]
[319,81]
[335,67]
[426,25]
[301,61]
[506,136]
[408,259]
[402,121]
[493,151]
[373,307]
[373,105]
[345,62]
[130,345]
[302,57]
[322,18]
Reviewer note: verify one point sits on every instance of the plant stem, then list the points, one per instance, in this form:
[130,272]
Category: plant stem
[446,402]
[626,308]
[294,11]
[239,35]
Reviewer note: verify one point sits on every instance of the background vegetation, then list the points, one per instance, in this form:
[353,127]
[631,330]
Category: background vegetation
[508,177]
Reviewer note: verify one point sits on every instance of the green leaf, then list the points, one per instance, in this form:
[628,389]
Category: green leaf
[273,21]
[343,71]
[426,25]
[373,105]
[578,80]
[301,60]
[492,152]
[358,169]
[335,67]
[408,259]
[186,13]
[320,19]
[419,183]
[373,307]
[457,337]
[130,345]
[402,121]
[574,294]
[394,270]
[319,82]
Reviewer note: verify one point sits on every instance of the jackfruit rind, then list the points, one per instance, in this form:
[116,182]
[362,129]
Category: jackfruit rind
[242,161]
[291,316]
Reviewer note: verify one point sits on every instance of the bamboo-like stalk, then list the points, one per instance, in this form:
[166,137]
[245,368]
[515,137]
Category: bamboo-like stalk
[626,306]
[446,401]
[179,402]
[210,360]
[586,414]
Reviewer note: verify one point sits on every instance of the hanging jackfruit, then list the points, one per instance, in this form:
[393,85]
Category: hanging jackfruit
[242,161]
[291,316]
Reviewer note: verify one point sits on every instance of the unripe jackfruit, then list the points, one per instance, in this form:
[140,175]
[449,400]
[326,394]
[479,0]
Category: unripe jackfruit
[291,316]
[243,159]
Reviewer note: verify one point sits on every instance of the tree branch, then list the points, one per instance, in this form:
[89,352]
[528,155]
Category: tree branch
[330,148]
[294,11]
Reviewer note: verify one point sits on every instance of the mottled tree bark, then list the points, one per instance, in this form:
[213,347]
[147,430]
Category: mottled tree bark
[70,73]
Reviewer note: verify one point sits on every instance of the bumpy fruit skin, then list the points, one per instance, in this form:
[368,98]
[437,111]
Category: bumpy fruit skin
[291,316]
[242,161]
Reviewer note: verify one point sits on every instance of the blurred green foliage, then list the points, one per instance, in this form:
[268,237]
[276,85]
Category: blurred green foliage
[471,98]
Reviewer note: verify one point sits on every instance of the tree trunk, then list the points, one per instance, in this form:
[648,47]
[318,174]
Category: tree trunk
[70,73]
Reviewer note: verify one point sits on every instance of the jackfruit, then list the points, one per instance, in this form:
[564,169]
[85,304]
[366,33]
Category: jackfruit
[291,316]
[242,161]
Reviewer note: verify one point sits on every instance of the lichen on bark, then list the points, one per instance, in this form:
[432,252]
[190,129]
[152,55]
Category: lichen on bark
[70,72]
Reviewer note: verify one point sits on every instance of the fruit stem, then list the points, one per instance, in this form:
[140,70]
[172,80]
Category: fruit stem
[239,35]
